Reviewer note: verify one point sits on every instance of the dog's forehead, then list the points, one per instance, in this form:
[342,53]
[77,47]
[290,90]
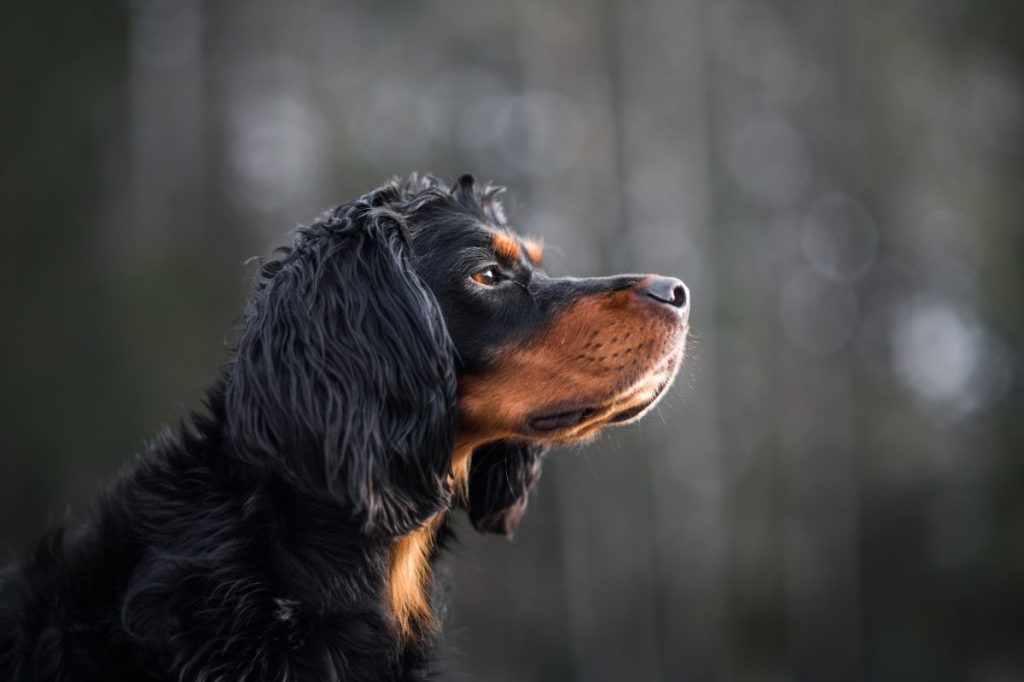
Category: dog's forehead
[459,233]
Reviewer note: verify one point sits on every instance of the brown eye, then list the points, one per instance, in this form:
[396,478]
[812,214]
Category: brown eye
[488,277]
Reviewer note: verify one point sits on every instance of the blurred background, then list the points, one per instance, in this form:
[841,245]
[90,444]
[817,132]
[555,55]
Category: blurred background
[834,490]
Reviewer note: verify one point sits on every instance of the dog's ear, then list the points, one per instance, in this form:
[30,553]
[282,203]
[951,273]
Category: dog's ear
[343,379]
[500,477]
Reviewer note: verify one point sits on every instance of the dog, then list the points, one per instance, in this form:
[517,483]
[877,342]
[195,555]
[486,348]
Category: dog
[405,356]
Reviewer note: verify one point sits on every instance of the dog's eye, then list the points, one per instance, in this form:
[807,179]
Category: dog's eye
[488,277]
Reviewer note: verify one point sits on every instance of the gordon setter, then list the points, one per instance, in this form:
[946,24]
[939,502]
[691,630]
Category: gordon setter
[403,357]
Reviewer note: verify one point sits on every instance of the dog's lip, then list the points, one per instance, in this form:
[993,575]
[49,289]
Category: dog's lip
[629,413]
[636,410]
[561,418]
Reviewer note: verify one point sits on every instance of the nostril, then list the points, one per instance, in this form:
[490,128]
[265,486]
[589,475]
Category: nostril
[679,297]
[667,290]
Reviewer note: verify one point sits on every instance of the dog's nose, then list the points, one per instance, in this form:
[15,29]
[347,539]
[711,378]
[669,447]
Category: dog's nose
[667,290]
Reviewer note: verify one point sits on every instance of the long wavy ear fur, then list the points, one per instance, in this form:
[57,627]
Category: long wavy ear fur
[500,477]
[343,380]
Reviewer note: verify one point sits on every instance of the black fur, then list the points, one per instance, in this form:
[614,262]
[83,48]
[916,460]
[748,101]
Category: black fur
[343,380]
[500,478]
[253,545]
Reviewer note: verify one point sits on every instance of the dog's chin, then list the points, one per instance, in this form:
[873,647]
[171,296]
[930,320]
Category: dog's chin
[576,420]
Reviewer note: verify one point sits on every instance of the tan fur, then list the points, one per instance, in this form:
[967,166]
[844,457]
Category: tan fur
[506,246]
[409,570]
[408,578]
[461,459]
[534,250]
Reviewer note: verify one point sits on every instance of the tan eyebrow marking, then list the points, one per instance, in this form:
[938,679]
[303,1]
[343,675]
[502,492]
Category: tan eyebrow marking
[505,246]
[534,249]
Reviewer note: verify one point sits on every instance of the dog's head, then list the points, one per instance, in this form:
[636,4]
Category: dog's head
[413,318]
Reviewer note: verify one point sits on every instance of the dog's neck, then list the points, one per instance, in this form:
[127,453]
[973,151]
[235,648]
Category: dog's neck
[409,572]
